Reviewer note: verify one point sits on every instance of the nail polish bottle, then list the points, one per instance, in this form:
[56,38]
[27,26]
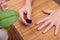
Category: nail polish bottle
[29,21]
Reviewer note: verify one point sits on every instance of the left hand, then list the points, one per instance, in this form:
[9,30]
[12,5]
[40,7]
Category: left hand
[52,19]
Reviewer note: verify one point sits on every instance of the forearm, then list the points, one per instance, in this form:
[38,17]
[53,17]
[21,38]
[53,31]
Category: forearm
[28,2]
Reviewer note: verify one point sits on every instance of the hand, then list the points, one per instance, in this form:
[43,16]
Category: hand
[4,4]
[25,10]
[52,19]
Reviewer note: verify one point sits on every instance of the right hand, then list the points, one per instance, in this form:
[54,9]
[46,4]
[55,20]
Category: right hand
[25,10]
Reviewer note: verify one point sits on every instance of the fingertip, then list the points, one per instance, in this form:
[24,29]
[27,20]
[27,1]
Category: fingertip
[43,32]
[36,23]
[46,11]
[38,29]
[43,10]
[25,23]
[56,34]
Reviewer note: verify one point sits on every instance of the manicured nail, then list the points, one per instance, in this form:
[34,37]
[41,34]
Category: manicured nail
[55,34]
[36,23]
[38,29]
[43,32]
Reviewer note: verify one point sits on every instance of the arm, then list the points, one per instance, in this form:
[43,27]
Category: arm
[28,2]
[26,9]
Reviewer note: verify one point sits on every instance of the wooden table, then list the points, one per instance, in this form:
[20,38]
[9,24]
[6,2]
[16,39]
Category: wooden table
[29,32]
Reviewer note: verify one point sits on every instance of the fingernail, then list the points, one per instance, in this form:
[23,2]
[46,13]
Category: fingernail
[55,34]
[38,29]
[44,32]
[26,24]
[29,21]
[36,23]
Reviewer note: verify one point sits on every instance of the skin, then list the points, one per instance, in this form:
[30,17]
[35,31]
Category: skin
[52,19]
[26,9]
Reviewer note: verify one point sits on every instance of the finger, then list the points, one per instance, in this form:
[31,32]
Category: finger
[29,15]
[22,17]
[42,20]
[49,27]
[57,27]
[4,3]
[46,23]
[48,11]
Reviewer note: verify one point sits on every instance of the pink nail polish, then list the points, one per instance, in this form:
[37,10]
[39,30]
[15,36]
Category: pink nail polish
[55,34]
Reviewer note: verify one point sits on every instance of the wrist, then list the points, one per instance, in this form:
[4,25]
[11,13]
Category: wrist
[28,2]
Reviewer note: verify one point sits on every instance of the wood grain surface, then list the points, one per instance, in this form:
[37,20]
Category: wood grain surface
[13,34]
[29,32]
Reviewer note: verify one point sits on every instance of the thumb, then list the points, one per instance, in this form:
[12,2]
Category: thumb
[29,15]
